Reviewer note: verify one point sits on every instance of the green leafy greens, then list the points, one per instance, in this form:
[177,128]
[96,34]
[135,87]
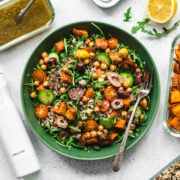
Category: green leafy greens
[127,15]
[141,25]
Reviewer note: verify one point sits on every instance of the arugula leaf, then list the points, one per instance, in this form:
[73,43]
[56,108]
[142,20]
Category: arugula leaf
[65,45]
[153,32]
[99,85]
[98,96]
[127,15]
[140,25]
[98,28]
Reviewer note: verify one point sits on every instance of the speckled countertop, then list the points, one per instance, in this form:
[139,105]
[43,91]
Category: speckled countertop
[153,152]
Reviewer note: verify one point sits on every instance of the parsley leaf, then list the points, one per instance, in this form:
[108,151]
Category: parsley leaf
[141,25]
[127,15]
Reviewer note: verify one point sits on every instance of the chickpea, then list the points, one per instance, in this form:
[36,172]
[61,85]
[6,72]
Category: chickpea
[100,128]
[41,61]
[93,134]
[96,64]
[46,60]
[129,90]
[91,44]
[84,99]
[36,83]
[87,41]
[44,55]
[82,83]
[103,66]
[107,51]
[87,135]
[133,126]
[108,73]
[96,109]
[94,75]
[121,88]
[99,103]
[125,85]
[124,113]
[86,61]
[130,131]
[81,103]
[63,90]
[144,103]
[43,67]
[100,80]
[113,67]
[123,53]
[105,132]
[89,111]
[33,95]
[99,133]
[45,83]
[142,116]
[92,54]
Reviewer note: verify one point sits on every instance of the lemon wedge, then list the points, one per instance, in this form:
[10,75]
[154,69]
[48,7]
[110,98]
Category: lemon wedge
[162,11]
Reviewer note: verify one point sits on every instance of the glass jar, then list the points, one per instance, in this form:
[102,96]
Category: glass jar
[38,18]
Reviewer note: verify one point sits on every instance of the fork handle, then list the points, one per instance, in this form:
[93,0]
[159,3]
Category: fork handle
[119,157]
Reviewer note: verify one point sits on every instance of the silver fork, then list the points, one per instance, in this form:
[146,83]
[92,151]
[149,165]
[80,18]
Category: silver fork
[143,91]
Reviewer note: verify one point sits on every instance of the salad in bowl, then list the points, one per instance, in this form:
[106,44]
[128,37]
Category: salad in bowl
[83,90]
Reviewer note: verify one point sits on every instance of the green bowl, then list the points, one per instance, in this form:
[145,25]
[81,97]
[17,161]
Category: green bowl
[46,45]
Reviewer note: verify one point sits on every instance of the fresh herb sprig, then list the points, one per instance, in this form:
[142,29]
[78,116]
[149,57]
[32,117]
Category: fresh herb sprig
[127,15]
[142,26]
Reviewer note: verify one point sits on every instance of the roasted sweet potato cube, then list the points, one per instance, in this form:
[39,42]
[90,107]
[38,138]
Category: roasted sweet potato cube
[175,96]
[65,78]
[126,103]
[176,80]
[177,51]
[90,125]
[61,110]
[176,59]
[70,113]
[79,32]
[113,114]
[174,122]
[176,68]
[175,109]
[90,93]
[120,124]
[92,140]
[113,135]
[59,46]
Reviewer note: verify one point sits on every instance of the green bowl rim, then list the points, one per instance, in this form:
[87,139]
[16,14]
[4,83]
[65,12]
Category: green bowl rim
[107,156]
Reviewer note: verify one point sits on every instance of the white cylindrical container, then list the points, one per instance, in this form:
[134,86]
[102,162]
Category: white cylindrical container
[13,135]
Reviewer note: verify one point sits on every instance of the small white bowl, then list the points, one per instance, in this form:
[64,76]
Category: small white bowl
[106,3]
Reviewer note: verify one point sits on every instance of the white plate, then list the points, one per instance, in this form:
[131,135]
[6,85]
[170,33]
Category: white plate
[106,3]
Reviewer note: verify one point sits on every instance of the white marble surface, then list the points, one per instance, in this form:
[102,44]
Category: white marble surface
[154,151]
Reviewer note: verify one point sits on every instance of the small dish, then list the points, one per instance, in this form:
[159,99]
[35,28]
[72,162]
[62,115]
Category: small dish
[170,130]
[155,177]
[20,31]
[106,3]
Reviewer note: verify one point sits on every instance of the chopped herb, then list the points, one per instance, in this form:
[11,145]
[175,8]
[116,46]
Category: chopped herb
[141,25]
[65,45]
[127,15]
[98,28]
[74,128]
[98,96]
[99,85]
